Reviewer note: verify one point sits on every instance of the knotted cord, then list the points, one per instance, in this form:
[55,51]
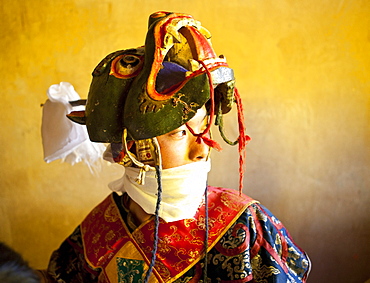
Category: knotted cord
[156,225]
[201,136]
[243,139]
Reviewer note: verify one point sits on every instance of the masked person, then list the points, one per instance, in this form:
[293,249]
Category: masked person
[155,105]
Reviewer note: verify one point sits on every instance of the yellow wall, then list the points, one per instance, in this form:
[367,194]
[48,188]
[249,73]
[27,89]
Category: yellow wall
[302,67]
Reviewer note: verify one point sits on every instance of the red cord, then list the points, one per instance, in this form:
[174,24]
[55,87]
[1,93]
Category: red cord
[243,139]
[200,136]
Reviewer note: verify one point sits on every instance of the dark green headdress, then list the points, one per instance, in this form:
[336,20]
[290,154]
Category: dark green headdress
[154,89]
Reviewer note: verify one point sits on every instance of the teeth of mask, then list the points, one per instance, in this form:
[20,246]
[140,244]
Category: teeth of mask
[168,41]
[171,30]
[194,65]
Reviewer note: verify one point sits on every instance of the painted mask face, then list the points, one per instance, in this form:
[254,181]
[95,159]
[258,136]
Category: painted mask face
[155,89]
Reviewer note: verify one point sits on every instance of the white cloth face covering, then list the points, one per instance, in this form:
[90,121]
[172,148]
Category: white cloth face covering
[183,189]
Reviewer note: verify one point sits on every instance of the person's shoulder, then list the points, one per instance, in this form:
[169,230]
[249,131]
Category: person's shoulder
[234,197]
[227,191]
[108,207]
[227,194]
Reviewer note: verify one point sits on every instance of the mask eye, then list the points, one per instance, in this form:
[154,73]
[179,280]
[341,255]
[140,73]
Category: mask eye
[126,66]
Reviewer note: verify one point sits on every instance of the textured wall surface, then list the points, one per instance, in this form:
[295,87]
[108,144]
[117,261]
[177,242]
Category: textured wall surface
[302,67]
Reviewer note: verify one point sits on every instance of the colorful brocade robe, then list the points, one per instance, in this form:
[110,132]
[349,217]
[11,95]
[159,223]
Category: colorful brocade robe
[246,243]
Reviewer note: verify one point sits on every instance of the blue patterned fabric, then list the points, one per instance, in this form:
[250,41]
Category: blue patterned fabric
[257,248]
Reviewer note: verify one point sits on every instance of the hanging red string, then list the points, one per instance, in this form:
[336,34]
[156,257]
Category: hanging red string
[243,139]
[201,136]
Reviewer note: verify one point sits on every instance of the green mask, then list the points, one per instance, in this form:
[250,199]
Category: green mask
[154,89]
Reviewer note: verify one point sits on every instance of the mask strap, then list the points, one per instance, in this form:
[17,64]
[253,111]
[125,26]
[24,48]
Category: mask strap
[243,139]
[201,136]
[158,157]
[156,225]
[143,167]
